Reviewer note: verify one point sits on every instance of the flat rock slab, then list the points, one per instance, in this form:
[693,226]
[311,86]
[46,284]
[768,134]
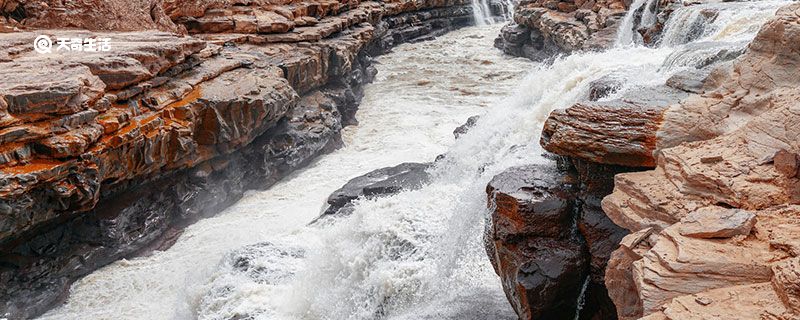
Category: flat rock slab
[715,222]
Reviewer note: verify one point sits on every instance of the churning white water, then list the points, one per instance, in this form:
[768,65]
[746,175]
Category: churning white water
[422,92]
[415,255]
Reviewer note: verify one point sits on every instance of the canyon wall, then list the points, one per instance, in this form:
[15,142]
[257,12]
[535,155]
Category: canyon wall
[108,154]
[705,196]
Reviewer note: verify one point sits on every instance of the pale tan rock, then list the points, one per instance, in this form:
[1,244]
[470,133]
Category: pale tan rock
[786,283]
[716,222]
[755,301]
[723,157]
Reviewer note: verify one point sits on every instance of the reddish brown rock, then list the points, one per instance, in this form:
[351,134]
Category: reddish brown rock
[787,163]
[628,132]
[544,28]
[532,244]
[89,14]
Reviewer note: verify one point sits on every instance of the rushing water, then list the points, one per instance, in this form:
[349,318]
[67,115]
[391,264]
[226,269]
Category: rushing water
[422,92]
[483,15]
[415,255]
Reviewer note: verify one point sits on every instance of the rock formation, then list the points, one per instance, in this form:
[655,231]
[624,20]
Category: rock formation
[549,241]
[378,183]
[714,223]
[107,154]
[543,28]
[721,205]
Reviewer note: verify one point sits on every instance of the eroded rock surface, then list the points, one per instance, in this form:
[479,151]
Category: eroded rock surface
[544,28]
[108,154]
[532,241]
[549,241]
[721,206]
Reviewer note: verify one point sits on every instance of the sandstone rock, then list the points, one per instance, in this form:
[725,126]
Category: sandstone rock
[544,28]
[787,163]
[713,222]
[90,15]
[719,165]
[628,129]
[786,283]
[689,80]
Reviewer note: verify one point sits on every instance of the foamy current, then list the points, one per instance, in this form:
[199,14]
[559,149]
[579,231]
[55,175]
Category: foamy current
[422,92]
[415,255]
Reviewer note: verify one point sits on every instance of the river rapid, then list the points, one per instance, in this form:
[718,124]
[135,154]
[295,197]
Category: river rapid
[422,92]
[418,254]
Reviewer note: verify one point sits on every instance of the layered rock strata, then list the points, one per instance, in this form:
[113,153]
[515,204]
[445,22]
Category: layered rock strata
[544,28]
[714,223]
[108,154]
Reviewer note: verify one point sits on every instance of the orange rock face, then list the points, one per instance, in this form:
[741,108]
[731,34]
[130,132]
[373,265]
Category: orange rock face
[103,154]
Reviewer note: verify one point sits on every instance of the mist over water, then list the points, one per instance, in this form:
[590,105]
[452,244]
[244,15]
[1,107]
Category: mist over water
[415,255]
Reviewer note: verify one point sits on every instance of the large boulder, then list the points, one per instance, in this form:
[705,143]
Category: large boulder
[533,243]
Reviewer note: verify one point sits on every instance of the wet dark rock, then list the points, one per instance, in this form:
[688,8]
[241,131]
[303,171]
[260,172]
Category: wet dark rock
[464,128]
[553,210]
[378,183]
[602,88]
[532,241]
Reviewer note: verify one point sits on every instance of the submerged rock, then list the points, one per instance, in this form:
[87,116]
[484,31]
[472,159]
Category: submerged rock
[378,183]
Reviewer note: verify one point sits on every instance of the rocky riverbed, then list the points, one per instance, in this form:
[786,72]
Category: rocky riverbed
[648,169]
[109,154]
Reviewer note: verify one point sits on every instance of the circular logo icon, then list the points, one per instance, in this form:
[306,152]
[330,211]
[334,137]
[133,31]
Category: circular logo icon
[43,44]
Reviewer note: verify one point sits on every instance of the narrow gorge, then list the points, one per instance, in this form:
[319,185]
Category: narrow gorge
[400,159]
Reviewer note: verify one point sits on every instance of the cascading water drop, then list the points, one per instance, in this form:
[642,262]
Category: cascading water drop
[483,14]
[642,14]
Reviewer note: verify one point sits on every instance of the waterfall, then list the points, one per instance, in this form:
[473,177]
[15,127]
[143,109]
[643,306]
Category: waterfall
[484,15]
[717,22]
[645,11]
[414,255]
[582,297]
